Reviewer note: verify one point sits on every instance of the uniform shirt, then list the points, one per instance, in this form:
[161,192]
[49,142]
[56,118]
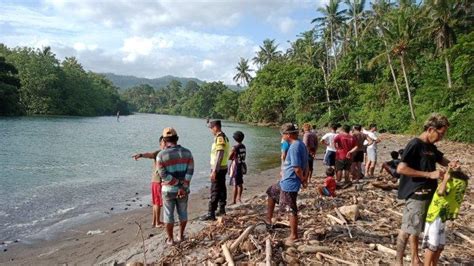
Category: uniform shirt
[297,157]
[447,206]
[420,156]
[221,143]
[329,138]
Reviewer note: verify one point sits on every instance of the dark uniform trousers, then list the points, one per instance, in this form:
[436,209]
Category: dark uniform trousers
[218,192]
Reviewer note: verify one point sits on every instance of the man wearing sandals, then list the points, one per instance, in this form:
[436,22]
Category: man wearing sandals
[294,174]
[175,165]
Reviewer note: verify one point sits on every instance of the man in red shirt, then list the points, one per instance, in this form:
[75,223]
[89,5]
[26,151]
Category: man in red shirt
[345,145]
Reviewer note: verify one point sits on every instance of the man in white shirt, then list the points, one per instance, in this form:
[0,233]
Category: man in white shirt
[371,142]
[328,140]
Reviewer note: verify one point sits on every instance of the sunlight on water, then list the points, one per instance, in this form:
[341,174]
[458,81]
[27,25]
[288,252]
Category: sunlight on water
[63,168]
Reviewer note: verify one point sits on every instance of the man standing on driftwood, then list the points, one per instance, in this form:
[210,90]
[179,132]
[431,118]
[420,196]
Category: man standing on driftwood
[418,182]
[294,174]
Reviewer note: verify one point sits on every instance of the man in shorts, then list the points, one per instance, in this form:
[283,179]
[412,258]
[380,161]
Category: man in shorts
[371,143]
[295,169]
[358,157]
[328,140]
[418,182]
[175,165]
[311,141]
[345,145]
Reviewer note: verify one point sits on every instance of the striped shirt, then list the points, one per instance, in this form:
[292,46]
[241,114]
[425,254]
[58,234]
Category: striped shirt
[175,165]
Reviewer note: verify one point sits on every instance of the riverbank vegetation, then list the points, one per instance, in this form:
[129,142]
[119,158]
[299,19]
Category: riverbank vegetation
[34,82]
[392,64]
[389,64]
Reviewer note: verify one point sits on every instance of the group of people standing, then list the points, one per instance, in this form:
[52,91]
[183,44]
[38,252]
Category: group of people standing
[345,152]
[428,203]
[173,168]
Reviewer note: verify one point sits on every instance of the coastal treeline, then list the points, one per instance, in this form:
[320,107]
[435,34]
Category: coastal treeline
[391,64]
[34,81]
[213,99]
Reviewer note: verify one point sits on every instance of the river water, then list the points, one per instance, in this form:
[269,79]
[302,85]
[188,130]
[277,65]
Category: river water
[57,172]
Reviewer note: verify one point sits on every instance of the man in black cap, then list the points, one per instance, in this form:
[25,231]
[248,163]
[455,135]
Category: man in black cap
[293,176]
[219,157]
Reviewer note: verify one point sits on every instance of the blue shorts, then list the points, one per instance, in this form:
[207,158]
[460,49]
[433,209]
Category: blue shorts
[330,158]
[170,203]
[325,191]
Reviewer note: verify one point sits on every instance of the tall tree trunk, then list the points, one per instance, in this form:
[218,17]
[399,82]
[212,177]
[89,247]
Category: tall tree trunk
[402,62]
[333,47]
[448,71]
[326,89]
[394,77]
[358,63]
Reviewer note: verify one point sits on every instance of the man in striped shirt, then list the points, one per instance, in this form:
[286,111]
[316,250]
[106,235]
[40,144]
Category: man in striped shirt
[175,165]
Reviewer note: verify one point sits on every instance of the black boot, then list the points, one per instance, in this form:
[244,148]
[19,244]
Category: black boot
[221,211]
[209,217]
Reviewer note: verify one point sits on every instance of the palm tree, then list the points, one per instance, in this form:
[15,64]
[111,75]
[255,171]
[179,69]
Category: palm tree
[243,74]
[268,52]
[355,13]
[401,30]
[332,19]
[444,15]
[378,21]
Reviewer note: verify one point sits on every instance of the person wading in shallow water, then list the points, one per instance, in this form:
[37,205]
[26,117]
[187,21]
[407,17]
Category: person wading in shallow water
[294,174]
[219,156]
[418,182]
[156,199]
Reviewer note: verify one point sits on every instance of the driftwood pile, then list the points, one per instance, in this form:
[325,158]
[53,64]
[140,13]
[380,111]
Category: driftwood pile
[359,226]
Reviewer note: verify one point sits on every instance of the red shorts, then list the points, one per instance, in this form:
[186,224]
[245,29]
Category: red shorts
[156,194]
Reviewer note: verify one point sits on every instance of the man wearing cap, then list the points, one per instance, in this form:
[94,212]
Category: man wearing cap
[219,157]
[294,174]
[175,165]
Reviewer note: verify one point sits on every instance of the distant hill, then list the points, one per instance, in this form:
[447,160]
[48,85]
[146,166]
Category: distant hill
[125,82]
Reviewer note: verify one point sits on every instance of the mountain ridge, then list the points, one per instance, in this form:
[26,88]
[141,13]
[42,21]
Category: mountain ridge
[124,82]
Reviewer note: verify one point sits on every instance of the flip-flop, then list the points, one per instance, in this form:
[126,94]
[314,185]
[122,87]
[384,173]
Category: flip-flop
[169,242]
[179,239]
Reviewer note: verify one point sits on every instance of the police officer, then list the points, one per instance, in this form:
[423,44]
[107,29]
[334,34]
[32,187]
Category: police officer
[219,157]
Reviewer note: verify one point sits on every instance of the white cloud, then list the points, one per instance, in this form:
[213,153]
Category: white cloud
[286,24]
[193,38]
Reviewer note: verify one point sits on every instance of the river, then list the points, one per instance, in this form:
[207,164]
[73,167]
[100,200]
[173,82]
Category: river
[57,172]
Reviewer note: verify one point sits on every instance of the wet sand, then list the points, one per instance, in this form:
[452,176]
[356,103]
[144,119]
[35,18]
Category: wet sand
[117,232]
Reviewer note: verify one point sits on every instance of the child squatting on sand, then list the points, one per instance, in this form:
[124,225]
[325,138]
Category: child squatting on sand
[329,187]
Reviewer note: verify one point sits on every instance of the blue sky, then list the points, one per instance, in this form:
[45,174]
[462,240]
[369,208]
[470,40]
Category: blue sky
[193,38]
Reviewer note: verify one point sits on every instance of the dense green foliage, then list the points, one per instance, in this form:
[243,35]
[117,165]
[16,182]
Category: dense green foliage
[33,81]
[392,65]
[206,100]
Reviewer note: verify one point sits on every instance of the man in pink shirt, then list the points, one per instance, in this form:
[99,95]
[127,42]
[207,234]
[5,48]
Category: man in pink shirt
[345,145]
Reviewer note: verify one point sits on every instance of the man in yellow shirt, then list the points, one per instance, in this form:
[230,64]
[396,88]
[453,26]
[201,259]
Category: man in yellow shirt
[219,157]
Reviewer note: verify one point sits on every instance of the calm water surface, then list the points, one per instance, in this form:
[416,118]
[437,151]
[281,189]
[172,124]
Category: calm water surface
[57,172]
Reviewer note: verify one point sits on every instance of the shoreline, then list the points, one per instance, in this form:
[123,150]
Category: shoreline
[118,231]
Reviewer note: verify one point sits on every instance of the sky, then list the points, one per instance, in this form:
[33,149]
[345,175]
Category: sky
[194,38]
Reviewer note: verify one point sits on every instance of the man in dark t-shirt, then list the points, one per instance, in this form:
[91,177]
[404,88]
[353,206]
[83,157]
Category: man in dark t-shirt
[418,182]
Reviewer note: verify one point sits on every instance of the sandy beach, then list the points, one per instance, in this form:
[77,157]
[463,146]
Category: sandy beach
[117,232]
[115,239]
